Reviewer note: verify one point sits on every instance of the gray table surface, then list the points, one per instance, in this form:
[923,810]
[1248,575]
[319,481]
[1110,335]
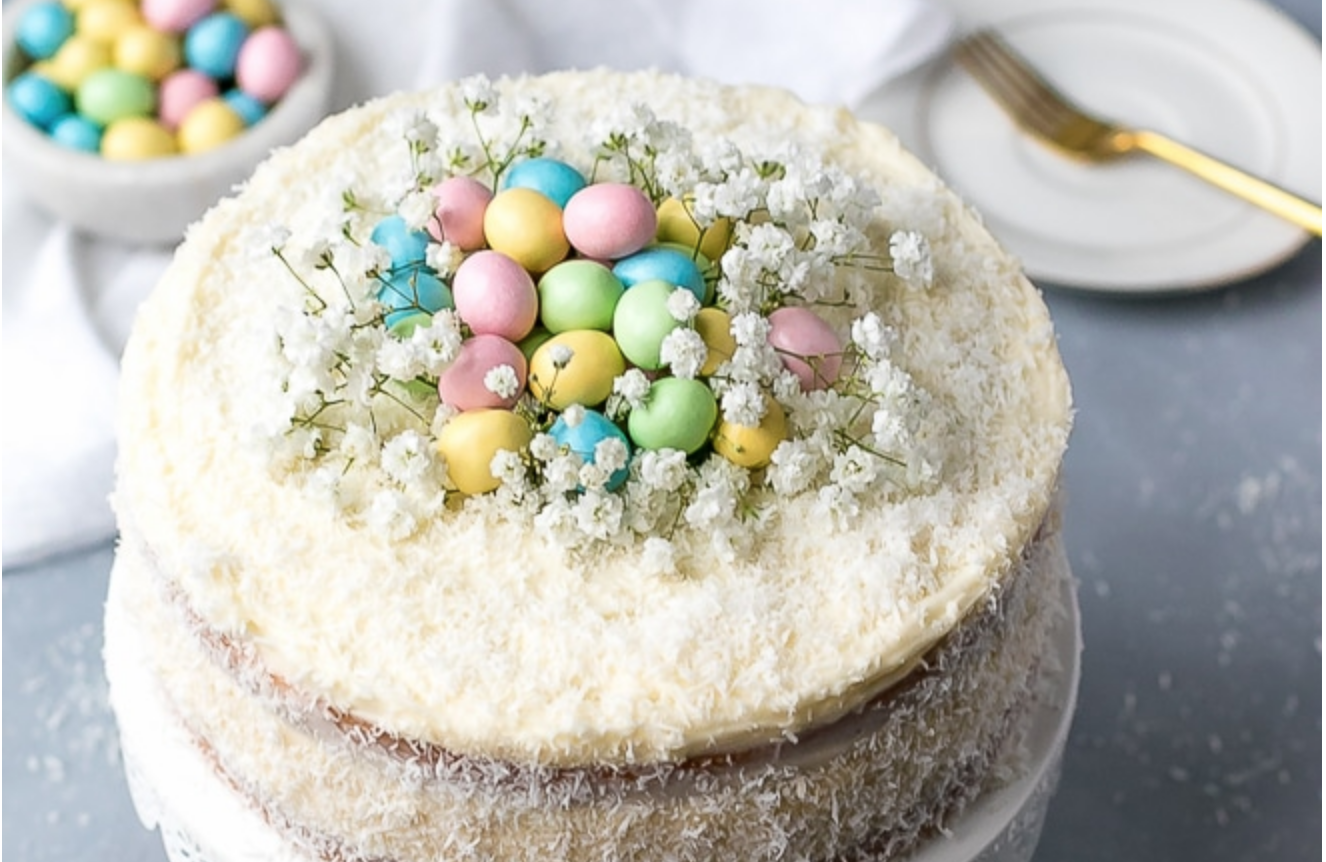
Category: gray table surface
[1194,526]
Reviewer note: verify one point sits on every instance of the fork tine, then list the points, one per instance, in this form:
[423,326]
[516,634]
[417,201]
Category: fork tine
[1031,100]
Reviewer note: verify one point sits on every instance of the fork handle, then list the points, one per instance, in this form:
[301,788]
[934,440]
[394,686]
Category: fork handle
[1285,204]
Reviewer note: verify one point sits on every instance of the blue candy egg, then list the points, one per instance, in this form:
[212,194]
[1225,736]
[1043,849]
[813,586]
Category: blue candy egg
[663,264]
[43,28]
[250,110]
[584,437]
[212,45]
[38,100]
[409,291]
[408,248]
[77,133]
[555,180]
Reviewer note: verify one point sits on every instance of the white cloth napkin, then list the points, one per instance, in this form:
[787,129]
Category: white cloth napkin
[69,298]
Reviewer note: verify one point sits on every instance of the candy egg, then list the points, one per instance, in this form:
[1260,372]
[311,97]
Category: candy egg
[609,220]
[250,110]
[180,93]
[137,138]
[462,383]
[78,58]
[495,295]
[527,227]
[677,414]
[808,346]
[532,342]
[268,64]
[175,16]
[666,264]
[586,375]
[578,294]
[556,179]
[458,219]
[210,124]
[752,447]
[77,133]
[147,52]
[469,441]
[410,290]
[641,322]
[43,28]
[675,224]
[110,94]
[715,328]
[38,100]
[212,45]
[407,247]
[105,20]
[584,438]
[255,13]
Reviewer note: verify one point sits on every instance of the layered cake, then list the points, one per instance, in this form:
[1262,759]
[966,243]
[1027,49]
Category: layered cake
[589,466]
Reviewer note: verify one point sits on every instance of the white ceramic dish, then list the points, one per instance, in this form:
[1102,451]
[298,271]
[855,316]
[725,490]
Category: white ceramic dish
[154,201]
[1232,77]
[201,819]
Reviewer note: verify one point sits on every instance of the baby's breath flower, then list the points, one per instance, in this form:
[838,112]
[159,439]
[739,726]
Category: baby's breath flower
[508,468]
[417,208]
[871,336]
[543,447]
[501,380]
[562,473]
[573,415]
[658,556]
[911,258]
[684,351]
[682,305]
[855,469]
[663,469]
[406,457]
[443,258]
[389,513]
[611,454]
[478,93]
[561,356]
[743,404]
[750,329]
[632,387]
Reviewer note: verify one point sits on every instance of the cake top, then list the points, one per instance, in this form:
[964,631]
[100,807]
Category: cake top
[556,432]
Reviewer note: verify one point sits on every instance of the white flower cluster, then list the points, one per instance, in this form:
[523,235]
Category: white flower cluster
[357,412]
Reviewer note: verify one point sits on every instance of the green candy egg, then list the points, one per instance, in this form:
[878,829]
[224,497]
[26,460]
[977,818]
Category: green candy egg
[642,320]
[677,414]
[533,341]
[578,294]
[108,95]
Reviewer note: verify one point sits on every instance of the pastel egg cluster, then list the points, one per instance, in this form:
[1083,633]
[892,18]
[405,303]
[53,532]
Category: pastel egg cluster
[138,80]
[565,286]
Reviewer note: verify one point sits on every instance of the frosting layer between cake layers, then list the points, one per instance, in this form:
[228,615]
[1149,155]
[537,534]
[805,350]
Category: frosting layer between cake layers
[471,634]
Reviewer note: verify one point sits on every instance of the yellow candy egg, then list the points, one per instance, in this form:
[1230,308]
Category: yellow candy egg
[752,447]
[676,225]
[105,20]
[135,138]
[470,440]
[255,13]
[210,124]
[144,51]
[77,58]
[583,377]
[715,328]
[526,226]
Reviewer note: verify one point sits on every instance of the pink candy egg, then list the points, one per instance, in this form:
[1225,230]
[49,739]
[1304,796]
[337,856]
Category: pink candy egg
[808,346]
[461,385]
[180,93]
[495,295]
[461,202]
[175,16]
[268,64]
[609,220]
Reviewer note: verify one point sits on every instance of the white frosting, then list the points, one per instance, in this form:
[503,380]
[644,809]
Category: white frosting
[473,633]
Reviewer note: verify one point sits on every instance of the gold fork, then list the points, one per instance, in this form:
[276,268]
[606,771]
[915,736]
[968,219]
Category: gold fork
[1047,115]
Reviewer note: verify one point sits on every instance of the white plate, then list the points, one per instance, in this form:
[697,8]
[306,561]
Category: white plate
[1232,77]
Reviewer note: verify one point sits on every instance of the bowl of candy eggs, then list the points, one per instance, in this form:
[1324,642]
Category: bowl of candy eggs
[130,118]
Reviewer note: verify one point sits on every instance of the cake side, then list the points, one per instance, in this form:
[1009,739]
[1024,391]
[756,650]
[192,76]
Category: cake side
[592,662]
